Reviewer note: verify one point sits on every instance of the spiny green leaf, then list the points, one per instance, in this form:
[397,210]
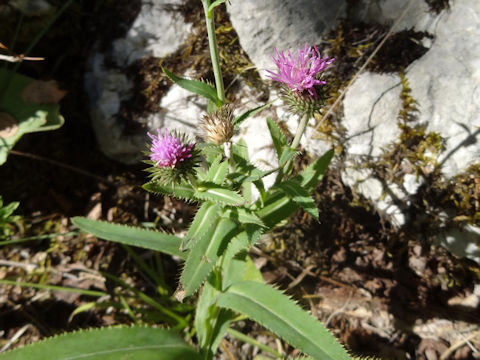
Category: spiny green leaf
[196,87]
[205,216]
[276,208]
[134,343]
[310,177]
[147,239]
[218,194]
[211,323]
[279,140]
[274,310]
[210,151]
[217,171]
[248,114]
[183,191]
[243,216]
[239,268]
[205,253]
[298,194]
[287,154]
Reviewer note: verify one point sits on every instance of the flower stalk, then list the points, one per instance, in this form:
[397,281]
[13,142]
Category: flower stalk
[212,41]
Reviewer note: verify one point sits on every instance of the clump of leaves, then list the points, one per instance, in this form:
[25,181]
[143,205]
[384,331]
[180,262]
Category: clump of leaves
[7,218]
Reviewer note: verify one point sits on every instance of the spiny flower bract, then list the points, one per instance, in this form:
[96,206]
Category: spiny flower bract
[300,73]
[303,89]
[168,150]
[172,158]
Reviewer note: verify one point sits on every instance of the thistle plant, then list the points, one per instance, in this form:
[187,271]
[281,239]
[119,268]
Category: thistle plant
[218,175]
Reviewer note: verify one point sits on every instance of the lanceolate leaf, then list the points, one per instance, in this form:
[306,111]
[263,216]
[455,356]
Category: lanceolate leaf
[249,113]
[298,194]
[205,216]
[274,310]
[211,323]
[147,239]
[182,191]
[217,171]
[287,154]
[216,193]
[129,343]
[205,253]
[243,216]
[279,140]
[310,177]
[276,208]
[196,87]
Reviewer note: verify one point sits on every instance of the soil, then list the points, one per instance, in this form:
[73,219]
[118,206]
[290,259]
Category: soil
[383,291]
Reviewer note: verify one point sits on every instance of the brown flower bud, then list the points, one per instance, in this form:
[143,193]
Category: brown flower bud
[218,126]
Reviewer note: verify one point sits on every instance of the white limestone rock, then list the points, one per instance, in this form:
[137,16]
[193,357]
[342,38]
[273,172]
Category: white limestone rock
[445,83]
[156,32]
[264,24]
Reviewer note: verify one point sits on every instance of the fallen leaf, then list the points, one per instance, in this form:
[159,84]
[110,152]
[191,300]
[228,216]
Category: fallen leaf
[8,125]
[43,92]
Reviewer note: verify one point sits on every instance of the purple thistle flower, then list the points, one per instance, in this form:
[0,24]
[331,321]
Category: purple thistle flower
[167,150]
[301,72]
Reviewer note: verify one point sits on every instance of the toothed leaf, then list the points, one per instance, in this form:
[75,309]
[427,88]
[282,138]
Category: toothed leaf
[217,171]
[248,114]
[210,151]
[147,239]
[134,343]
[279,140]
[240,268]
[196,87]
[287,154]
[243,216]
[183,191]
[218,194]
[276,208]
[205,253]
[211,323]
[311,176]
[205,216]
[247,172]
[300,196]
[274,310]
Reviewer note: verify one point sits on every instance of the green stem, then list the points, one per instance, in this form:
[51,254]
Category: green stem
[300,130]
[296,141]
[249,340]
[212,41]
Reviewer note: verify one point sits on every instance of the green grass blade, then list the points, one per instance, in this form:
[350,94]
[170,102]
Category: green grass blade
[53,288]
[147,239]
[274,310]
[133,343]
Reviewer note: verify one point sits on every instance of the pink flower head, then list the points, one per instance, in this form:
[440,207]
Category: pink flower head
[167,150]
[301,72]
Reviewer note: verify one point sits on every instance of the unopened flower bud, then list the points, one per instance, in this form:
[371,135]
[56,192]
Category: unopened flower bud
[218,126]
